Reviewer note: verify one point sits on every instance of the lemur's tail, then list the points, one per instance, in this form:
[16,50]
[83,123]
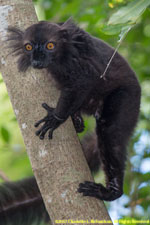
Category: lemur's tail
[21,202]
[91,151]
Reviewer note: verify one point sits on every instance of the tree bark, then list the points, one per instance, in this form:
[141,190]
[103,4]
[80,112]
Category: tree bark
[58,165]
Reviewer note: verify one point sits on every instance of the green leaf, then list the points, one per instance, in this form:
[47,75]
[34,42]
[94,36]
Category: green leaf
[112,29]
[5,134]
[130,13]
[115,29]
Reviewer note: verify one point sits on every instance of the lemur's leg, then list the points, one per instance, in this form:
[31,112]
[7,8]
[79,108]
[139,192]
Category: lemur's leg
[119,117]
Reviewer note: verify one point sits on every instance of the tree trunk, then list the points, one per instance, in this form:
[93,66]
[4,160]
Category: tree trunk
[59,164]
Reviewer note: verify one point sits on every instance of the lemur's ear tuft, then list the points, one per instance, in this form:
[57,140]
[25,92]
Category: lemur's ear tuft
[67,28]
[15,38]
[68,24]
[14,33]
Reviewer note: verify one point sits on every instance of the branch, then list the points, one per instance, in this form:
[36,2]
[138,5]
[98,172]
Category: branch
[59,165]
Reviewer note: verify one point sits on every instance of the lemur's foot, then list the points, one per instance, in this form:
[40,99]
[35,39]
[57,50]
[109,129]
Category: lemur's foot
[78,122]
[99,191]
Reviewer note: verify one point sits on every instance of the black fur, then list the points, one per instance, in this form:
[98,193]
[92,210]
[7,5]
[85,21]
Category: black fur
[77,62]
[21,203]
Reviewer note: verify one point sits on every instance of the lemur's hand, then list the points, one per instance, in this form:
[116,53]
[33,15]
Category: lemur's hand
[51,122]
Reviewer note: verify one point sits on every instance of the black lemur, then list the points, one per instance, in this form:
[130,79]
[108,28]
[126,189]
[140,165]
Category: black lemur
[76,60]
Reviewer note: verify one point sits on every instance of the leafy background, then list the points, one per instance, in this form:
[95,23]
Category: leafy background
[93,17]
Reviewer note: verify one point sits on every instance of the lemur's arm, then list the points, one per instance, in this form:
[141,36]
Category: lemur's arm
[68,104]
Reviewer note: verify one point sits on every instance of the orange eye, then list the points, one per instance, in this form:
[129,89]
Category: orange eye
[28,47]
[50,46]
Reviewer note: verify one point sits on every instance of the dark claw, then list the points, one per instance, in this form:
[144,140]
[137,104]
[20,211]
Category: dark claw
[43,132]
[48,108]
[38,132]
[50,135]
[36,124]
[41,137]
